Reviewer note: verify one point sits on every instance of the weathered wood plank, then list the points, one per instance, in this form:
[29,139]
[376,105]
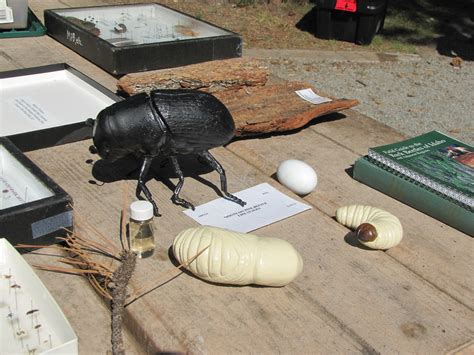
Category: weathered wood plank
[187,314]
[211,76]
[347,276]
[6,62]
[465,349]
[437,252]
[342,300]
[358,133]
[88,315]
[32,52]
[275,108]
[355,131]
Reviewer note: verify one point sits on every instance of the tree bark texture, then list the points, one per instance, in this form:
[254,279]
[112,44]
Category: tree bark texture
[257,107]
[121,278]
[275,108]
[209,76]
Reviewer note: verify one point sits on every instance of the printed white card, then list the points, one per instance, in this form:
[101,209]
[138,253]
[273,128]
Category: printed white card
[31,111]
[310,96]
[265,205]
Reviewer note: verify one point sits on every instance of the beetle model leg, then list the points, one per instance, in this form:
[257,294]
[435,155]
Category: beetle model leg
[175,198]
[218,167]
[141,183]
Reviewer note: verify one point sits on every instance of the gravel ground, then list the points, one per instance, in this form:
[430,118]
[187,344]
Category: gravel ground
[413,94]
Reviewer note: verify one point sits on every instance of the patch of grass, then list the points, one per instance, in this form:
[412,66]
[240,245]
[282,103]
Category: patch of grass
[263,25]
[271,26]
[408,24]
[381,44]
[405,27]
[443,24]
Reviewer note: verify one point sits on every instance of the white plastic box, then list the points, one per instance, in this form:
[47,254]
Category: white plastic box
[13,14]
[31,321]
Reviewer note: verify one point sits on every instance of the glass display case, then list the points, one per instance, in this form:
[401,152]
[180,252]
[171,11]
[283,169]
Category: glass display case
[33,208]
[138,37]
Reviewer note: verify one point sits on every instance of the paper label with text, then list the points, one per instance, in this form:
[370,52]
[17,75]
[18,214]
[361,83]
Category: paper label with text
[9,196]
[31,110]
[264,205]
[310,96]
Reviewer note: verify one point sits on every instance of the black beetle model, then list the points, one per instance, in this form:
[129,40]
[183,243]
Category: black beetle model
[164,124]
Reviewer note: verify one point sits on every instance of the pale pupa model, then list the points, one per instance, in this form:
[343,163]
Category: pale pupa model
[375,228]
[237,258]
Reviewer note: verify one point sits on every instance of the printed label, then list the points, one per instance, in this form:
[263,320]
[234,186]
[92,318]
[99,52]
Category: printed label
[265,205]
[30,110]
[74,38]
[9,196]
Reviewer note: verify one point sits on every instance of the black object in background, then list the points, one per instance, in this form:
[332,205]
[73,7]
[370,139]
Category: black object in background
[349,20]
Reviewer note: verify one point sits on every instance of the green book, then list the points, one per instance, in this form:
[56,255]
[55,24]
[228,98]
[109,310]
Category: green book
[433,173]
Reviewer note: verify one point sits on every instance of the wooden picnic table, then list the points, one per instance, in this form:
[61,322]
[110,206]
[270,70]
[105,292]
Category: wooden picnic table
[415,298]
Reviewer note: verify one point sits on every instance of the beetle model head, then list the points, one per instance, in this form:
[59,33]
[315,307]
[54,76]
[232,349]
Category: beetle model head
[126,127]
[164,124]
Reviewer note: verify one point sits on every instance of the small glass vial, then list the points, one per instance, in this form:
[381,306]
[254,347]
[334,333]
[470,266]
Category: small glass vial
[142,240]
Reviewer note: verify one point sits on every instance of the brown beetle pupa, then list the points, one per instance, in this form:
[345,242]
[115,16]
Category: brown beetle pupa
[375,228]
[237,258]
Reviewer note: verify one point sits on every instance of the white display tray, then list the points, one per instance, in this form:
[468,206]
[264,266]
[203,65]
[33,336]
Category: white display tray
[31,321]
[47,106]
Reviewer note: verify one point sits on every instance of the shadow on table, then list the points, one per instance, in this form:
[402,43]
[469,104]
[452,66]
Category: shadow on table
[128,168]
[318,120]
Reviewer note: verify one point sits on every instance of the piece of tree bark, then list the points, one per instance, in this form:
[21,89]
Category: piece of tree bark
[275,108]
[209,76]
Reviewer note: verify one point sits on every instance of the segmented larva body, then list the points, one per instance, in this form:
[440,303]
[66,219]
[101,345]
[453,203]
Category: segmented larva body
[237,258]
[375,228]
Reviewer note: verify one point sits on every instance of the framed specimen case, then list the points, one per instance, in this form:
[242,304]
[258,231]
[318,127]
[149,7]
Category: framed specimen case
[139,37]
[48,105]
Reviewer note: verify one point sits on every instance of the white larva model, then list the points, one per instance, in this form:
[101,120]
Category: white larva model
[375,228]
[237,258]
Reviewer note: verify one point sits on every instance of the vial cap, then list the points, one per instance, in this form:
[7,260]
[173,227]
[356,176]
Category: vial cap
[141,210]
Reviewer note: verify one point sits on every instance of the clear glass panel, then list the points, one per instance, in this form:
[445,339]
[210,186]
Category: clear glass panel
[17,185]
[139,24]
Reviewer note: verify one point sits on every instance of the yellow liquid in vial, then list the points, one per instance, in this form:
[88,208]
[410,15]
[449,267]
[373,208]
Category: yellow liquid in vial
[142,240]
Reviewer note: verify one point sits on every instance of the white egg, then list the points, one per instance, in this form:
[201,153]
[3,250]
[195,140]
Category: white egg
[298,176]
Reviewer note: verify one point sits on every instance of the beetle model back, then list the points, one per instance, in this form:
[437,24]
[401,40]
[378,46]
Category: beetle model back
[164,124]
